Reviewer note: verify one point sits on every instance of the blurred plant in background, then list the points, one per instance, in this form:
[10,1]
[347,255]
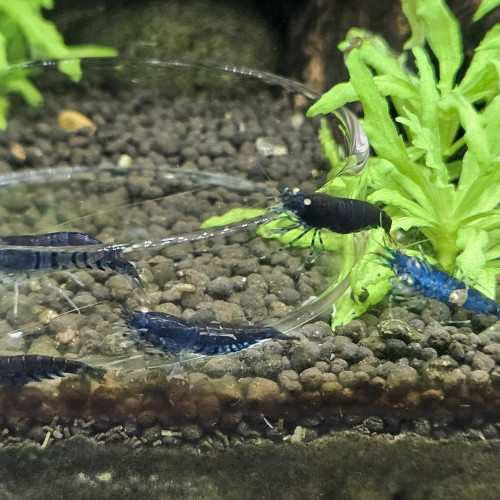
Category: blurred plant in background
[26,36]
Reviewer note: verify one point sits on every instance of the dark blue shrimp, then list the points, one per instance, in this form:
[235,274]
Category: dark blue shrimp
[319,211]
[18,370]
[16,261]
[175,335]
[433,283]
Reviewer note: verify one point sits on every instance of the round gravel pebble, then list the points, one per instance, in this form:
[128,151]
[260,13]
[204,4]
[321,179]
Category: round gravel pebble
[481,361]
[304,356]
[311,379]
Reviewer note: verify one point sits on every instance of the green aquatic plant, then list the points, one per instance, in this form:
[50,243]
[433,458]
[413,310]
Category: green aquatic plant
[24,36]
[437,163]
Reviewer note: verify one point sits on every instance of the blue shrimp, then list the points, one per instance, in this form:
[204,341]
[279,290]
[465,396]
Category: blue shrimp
[435,284]
[318,211]
[175,335]
[16,262]
[21,369]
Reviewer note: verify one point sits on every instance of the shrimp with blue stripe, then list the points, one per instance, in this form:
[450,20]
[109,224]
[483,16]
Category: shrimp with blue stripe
[176,335]
[25,368]
[431,282]
[20,265]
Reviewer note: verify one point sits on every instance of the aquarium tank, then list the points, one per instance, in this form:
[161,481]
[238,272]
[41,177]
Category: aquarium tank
[220,282]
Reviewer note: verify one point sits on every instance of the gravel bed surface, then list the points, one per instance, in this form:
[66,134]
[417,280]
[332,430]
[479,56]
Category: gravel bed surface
[415,366]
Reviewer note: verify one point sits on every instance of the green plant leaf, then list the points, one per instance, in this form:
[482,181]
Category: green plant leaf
[407,222]
[343,93]
[473,244]
[3,54]
[389,85]
[336,97]
[38,31]
[416,24]
[369,278]
[481,81]
[485,7]
[25,88]
[378,125]
[376,53]
[490,118]
[427,141]
[231,216]
[80,51]
[4,108]
[385,175]
[472,260]
[430,132]
[26,35]
[397,199]
[442,32]
[475,135]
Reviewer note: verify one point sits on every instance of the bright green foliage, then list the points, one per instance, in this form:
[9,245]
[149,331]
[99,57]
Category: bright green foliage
[485,7]
[437,166]
[25,36]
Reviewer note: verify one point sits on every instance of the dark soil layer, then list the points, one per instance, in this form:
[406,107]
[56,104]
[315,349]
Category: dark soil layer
[416,367]
[346,465]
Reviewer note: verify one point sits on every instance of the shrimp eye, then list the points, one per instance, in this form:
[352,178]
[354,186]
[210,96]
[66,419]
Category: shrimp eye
[307,202]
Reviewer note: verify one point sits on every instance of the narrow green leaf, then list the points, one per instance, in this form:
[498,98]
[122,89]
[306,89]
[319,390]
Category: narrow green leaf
[475,135]
[70,67]
[4,108]
[389,85]
[487,221]
[493,254]
[343,93]
[330,148]
[24,87]
[490,118]
[472,260]
[336,97]
[429,96]
[385,175]
[442,31]
[395,198]
[407,222]
[426,140]
[376,53]
[473,244]
[468,173]
[481,194]
[485,7]
[80,51]
[416,24]
[3,54]
[38,31]
[481,81]
[490,41]
[378,125]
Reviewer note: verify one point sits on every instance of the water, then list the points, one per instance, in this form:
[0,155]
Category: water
[161,162]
